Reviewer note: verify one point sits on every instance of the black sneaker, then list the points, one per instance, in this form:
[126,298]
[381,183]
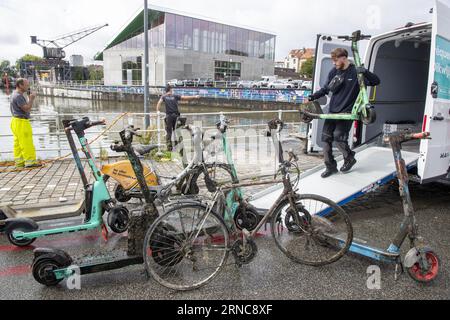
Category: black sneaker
[329,172]
[348,165]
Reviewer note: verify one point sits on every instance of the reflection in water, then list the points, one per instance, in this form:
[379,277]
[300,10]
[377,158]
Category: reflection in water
[46,126]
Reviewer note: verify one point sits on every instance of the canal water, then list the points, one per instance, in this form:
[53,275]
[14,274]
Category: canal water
[46,124]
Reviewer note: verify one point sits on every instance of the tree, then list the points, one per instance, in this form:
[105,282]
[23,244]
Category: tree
[78,74]
[308,68]
[5,64]
[27,58]
[95,72]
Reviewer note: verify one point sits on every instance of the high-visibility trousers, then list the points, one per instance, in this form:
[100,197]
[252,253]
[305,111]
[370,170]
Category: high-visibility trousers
[24,151]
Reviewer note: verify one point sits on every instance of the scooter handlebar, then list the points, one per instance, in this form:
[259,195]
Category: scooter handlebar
[356,36]
[96,123]
[416,136]
[132,131]
[405,137]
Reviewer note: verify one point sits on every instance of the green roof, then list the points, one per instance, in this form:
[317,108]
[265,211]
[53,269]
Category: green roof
[135,27]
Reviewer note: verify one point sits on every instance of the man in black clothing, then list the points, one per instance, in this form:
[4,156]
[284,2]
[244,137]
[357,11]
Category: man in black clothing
[343,83]
[172,113]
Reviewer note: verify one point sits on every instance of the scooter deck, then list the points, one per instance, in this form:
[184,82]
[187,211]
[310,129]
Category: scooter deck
[375,167]
[45,211]
[108,262]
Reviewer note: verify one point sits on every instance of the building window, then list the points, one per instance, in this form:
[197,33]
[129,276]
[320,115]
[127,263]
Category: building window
[132,71]
[170,30]
[227,70]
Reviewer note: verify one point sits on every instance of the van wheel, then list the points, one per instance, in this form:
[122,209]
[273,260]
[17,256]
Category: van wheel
[371,116]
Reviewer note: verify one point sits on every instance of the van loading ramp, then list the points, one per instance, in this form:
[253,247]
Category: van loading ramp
[375,167]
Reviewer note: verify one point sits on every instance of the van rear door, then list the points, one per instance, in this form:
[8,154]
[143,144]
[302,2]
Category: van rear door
[323,65]
[434,158]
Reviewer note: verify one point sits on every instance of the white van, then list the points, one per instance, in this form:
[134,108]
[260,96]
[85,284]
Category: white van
[413,64]
[265,80]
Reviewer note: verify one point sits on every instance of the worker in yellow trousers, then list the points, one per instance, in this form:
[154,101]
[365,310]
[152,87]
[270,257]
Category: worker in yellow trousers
[24,151]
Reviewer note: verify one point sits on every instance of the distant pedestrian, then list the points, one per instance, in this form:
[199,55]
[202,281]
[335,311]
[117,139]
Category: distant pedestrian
[172,112]
[24,151]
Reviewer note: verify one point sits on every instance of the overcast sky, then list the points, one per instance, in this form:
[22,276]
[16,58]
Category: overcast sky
[295,22]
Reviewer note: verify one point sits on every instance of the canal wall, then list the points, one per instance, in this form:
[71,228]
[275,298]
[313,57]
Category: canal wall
[233,98]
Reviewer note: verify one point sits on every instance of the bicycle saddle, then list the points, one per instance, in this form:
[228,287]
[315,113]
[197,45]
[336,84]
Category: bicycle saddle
[145,149]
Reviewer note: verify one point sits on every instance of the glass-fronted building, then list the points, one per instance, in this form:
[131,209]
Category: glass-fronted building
[185,47]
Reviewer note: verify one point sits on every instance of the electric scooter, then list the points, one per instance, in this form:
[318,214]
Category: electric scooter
[23,231]
[362,109]
[422,263]
[51,266]
[237,209]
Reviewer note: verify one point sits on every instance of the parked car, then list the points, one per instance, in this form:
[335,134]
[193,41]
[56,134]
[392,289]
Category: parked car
[205,82]
[307,85]
[175,83]
[190,83]
[245,84]
[265,80]
[297,83]
[232,84]
[280,84]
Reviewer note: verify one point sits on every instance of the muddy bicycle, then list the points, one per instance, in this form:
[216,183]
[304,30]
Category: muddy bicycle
[189,245]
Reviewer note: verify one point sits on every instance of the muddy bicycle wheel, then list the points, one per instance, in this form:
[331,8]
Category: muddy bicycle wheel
[317,232]
[186,247]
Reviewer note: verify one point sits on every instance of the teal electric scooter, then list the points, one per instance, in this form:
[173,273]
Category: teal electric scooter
[22,232]
[236,209]
[362,109]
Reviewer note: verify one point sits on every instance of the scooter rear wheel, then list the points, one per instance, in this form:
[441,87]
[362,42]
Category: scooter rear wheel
[43,271]
[17,242]
[425,276]
[371,116]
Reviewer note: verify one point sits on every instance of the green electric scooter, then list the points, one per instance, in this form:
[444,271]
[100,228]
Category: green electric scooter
[22,232]
[362,109]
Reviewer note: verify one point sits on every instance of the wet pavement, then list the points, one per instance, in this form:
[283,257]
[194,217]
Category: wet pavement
[271,275]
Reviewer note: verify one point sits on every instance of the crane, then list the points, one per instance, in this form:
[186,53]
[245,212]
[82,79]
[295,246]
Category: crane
[53,49]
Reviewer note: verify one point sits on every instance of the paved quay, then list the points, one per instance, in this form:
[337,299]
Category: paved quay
[271,275]
[375,218]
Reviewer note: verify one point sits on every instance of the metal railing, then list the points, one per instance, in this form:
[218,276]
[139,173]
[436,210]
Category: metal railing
[294,96]
[55,136]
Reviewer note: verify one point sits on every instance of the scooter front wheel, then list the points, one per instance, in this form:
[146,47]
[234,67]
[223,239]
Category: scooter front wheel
[419,274]
[118,219]
[43,271]
[121,194]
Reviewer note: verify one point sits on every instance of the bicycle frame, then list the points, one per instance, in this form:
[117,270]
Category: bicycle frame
[288,192]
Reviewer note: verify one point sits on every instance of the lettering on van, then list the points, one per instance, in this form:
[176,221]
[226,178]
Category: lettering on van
[445,155]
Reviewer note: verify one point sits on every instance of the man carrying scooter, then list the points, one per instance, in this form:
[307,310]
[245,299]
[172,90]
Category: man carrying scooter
[172,112]
[343,84]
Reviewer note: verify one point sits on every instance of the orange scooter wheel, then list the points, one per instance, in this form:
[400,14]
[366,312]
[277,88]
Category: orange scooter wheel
[417,273]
